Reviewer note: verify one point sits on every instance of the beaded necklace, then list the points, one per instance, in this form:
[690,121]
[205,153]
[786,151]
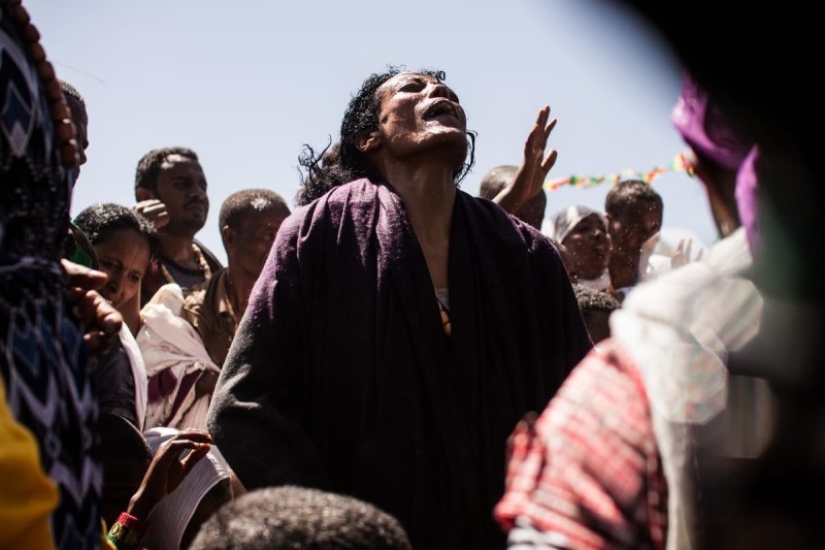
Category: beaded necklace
[204,265]
[58,109]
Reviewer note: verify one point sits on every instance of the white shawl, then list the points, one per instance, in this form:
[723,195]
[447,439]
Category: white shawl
[138,372]
[678,330]
[167,341]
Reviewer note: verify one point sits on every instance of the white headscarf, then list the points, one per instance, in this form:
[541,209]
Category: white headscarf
[565,221]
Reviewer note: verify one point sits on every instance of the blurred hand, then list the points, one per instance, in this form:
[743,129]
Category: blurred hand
[682,254]
[100,319]
[534,168]
[154,211]
[168,469]
[644,255]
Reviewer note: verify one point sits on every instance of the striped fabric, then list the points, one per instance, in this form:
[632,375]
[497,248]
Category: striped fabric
[588,471]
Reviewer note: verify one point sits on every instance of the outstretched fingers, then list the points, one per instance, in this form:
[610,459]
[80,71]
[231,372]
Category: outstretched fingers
[549,162]
[537,139]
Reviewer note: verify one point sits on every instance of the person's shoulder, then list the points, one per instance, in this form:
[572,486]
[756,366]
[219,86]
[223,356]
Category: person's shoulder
[355,194]
[345,193]
[355,199]
[488,207]
[195,299]
[508,226]
[489,213]
[211,259]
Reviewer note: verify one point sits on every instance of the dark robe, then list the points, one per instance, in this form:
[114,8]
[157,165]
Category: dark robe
[44,363]
[341,376]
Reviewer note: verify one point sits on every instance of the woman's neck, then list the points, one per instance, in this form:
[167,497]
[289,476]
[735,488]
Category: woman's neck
[428,191]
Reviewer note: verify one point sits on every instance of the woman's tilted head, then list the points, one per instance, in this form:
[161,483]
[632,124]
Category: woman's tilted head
[370,114]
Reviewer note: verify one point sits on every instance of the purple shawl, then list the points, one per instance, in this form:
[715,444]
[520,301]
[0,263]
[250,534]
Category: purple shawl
[341,377]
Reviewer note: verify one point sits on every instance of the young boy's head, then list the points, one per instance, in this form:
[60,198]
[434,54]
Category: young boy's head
[297,517]
[596,307]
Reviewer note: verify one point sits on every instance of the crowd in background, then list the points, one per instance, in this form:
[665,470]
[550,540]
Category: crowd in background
[388,363]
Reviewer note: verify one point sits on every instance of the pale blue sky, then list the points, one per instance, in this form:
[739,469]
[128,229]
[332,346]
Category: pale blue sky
[246,83]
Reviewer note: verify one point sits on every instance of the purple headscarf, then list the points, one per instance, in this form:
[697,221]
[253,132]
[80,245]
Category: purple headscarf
[704,127]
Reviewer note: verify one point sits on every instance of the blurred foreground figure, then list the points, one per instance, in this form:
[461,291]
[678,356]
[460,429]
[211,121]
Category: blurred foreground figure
[766,503]
[51,317]
[609,464]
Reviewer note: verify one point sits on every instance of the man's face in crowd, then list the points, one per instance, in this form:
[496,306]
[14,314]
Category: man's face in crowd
[253,238]
[182,188]
[633,227]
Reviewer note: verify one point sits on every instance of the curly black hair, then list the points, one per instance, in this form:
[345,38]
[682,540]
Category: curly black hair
[102,219]
[148,168]
[342,162]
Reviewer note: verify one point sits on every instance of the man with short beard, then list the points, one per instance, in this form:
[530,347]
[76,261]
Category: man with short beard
[170,188]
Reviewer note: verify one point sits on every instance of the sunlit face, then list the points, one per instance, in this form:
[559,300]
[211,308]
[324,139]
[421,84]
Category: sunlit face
[124,256]
[252,239]
[182,188]
[588,248]
[418,113]
[633,228]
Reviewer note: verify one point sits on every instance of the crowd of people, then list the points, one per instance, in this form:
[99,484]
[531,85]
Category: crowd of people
[392,363]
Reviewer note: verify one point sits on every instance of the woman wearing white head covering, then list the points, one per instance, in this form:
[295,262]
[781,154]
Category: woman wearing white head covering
[175,520]
[583,233]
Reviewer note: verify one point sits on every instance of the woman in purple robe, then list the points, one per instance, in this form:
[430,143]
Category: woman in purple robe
[401,327]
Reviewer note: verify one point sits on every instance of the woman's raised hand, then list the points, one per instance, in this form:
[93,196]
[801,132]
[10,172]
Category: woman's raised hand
[168,468]
[534,168]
